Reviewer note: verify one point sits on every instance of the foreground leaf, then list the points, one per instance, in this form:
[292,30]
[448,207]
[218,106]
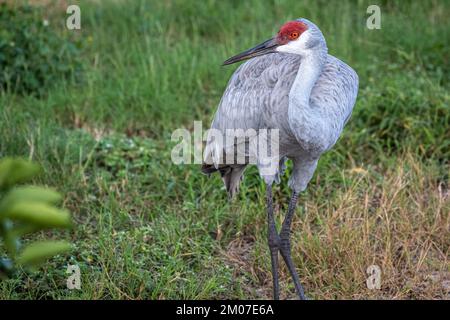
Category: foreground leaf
[29,194]
[14,171]
[36,253]
[39,214]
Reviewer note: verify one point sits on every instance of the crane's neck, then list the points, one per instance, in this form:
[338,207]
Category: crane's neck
[309,71]
[303,117]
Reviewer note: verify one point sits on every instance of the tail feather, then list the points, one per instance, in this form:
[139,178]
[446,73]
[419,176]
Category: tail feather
[231,176]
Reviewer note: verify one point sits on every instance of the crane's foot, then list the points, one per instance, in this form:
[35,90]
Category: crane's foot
[281,243]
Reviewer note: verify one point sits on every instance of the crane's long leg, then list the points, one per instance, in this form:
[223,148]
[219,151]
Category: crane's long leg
[285,245]
[273,242]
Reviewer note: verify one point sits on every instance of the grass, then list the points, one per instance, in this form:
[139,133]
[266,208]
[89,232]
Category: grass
[148,229]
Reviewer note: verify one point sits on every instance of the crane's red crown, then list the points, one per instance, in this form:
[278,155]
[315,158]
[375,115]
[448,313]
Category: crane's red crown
[291,31]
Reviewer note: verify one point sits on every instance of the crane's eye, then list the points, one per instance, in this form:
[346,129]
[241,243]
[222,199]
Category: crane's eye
[293,35]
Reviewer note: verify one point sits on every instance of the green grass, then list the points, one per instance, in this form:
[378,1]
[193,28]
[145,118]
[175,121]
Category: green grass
[148,229]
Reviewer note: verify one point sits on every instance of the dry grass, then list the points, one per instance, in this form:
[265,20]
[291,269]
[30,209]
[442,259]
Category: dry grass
[400,222]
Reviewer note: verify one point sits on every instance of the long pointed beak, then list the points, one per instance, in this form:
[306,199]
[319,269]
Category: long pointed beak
[266,47]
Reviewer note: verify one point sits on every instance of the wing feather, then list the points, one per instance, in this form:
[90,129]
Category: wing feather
[257,97]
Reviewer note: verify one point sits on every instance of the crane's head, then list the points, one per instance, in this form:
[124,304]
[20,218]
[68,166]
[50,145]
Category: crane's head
[299,36]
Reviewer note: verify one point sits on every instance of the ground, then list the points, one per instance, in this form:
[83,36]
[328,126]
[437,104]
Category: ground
[145,228]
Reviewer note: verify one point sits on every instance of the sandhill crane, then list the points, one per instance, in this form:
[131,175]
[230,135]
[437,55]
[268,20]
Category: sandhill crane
[291,84]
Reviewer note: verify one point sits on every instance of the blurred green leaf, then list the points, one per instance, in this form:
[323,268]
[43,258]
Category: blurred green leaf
[38,252]
[24,210]
[13,171]
[29,194]
[39,214]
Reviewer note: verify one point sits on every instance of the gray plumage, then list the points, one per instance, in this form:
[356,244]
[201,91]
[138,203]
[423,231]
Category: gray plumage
[309,97]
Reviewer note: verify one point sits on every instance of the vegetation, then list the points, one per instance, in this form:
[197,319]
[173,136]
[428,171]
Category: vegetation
[24,210]
[33,56]
[148,229]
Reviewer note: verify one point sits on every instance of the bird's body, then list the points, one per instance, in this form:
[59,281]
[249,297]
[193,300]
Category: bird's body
[258,97]
[307,95]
